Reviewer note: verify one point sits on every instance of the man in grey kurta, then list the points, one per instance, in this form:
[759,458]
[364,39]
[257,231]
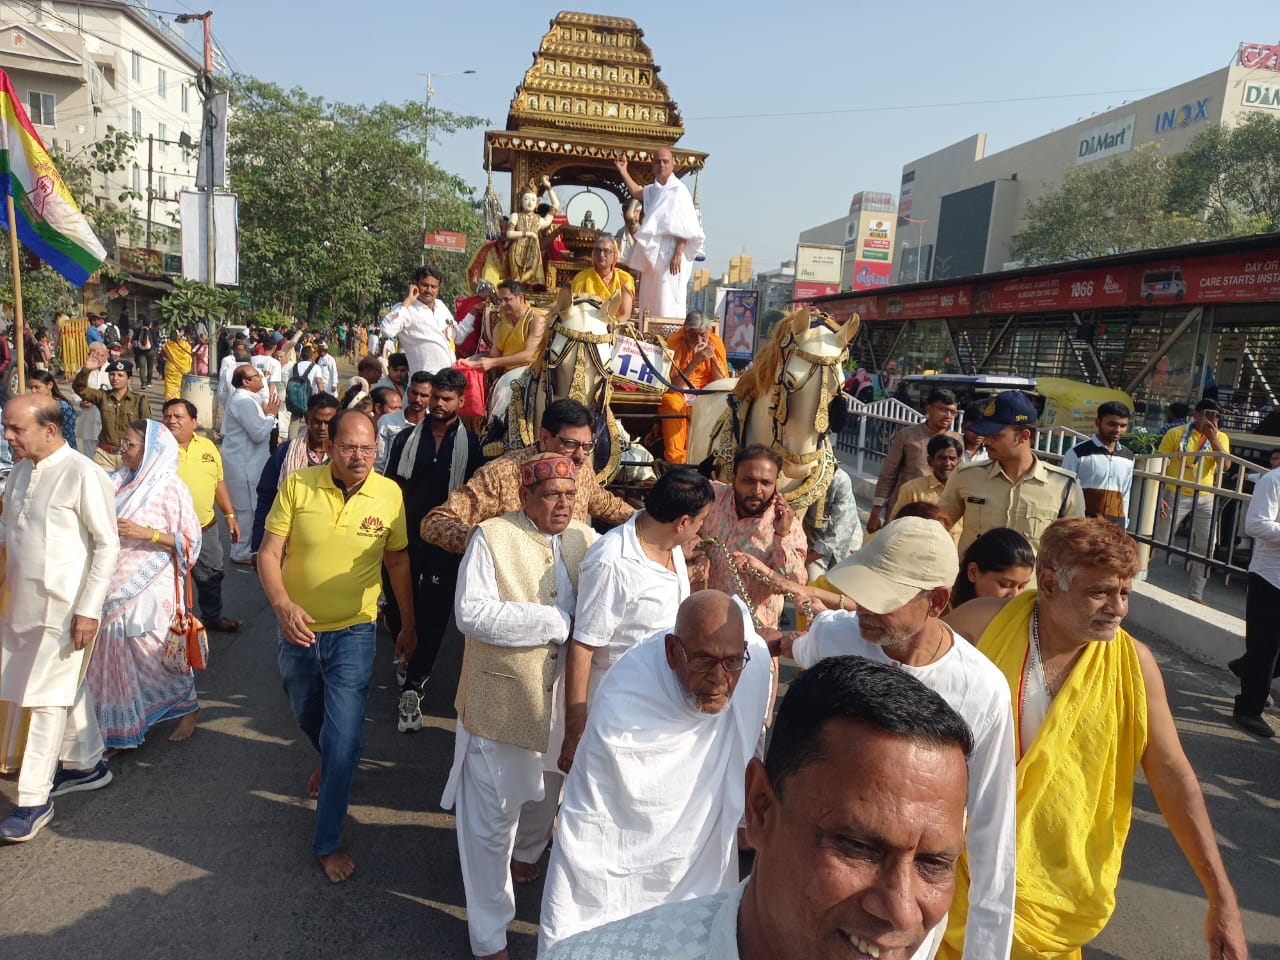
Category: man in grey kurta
[59,531]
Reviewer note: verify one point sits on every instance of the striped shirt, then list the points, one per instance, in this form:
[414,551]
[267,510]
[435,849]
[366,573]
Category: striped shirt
[1106,476]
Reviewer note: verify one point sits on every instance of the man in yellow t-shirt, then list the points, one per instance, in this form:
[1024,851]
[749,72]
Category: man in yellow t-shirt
[604,277]
[330,532]
[1190,448]
[200,468]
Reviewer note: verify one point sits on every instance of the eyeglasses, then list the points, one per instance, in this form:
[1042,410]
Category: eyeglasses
[352,449]
[705,664]
[573,446]
[128,445]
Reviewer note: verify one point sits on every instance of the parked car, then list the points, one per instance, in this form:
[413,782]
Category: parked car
[1061,402]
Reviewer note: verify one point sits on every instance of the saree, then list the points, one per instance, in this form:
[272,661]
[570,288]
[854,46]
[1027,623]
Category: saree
[131,687]
[1075,792]
[177,363]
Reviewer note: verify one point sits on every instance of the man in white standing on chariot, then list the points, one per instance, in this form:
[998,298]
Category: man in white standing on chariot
[668,240]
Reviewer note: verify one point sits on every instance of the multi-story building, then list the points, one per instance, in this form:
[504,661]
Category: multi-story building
[84,68]
[867,235]
[963,207]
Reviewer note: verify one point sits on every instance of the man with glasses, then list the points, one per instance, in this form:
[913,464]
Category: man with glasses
[603,278]
[517,589]
[908,456]
[247,425]
[329,534]
[568,429]
[698,358]
[699,693]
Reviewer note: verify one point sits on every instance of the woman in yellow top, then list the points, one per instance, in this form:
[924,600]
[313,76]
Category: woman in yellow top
[177,363]
[603,278]
[513,343]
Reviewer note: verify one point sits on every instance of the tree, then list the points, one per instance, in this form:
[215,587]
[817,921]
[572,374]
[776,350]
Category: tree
[192,302]
[1109,208]
[332,196]
[1232,174]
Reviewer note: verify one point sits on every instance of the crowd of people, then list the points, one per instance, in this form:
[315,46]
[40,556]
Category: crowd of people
[951,775]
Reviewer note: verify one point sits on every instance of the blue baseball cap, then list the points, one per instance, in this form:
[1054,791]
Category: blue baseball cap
[1011,408]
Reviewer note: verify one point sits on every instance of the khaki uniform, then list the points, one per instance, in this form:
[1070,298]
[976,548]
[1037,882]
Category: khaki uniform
[116,416]
[985,498]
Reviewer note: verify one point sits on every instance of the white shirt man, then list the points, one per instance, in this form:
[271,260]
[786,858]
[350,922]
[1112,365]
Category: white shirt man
[514,604]
[424,326]
[653,801]
[901,582]
[272,376]
[668,240]
[246,432]
[59,528]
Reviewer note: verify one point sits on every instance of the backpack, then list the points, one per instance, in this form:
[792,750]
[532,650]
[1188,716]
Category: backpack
[111,333]
[298,390]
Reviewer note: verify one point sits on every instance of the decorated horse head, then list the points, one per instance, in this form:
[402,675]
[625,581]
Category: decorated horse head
[784,402]
[573,362]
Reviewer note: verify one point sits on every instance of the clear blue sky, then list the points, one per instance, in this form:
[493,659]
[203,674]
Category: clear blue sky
[1019,69]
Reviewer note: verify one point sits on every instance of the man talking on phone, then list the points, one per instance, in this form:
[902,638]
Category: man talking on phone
[424,326]
[1190,450]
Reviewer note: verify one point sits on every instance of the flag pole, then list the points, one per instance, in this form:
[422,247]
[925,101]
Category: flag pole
[19,331]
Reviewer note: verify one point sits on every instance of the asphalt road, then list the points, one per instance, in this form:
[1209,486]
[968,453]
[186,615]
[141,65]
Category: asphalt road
[203,848]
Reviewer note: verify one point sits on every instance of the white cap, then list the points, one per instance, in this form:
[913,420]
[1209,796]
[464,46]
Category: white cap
[908,555]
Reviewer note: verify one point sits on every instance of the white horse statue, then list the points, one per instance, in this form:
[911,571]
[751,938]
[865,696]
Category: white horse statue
[574,362]
[781,402]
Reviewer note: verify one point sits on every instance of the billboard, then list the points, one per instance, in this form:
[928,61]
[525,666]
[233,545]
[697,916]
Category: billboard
[807,291]
[740,309]
[873,256]
[819,263]
[1107,140]
[444,240]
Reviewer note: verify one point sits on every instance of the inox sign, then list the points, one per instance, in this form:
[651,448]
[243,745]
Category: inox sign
[1182,116]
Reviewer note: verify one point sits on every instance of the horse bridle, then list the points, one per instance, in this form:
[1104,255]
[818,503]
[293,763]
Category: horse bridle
[830,367]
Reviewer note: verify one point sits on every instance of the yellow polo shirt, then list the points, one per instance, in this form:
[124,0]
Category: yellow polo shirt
[200,468]
[333,553]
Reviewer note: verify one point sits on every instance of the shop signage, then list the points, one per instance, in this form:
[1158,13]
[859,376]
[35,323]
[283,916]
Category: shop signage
[1261,95]
[1260,56]
[1106,140]
[819,263]
[444,240]
[1182,116]
[868,275]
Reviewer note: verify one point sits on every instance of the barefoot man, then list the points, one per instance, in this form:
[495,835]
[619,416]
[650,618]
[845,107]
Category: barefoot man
[330,532]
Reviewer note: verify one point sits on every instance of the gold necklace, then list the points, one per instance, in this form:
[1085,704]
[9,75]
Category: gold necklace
[668,562]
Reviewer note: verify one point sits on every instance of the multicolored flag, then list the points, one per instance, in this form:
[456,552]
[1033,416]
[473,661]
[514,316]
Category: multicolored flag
[48,220]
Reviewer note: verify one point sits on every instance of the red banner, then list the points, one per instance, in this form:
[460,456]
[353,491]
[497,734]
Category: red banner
[807,291]
[1232,277]
[926,304]
[871,274]
[444,240]
[1063,291]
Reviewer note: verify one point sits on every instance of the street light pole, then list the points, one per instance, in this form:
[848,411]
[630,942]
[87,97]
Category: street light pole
[426,146]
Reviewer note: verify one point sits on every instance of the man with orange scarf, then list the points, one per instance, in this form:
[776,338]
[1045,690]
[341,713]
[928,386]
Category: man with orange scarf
[1089,709]
[699,359]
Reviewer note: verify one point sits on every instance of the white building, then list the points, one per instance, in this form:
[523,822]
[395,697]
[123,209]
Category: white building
[82,68]
[966,206]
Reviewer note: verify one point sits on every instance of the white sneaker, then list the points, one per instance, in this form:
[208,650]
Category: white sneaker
[410,711]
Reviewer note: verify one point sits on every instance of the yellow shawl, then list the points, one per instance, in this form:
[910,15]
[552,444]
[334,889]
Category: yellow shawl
[1075,792]
[510,336]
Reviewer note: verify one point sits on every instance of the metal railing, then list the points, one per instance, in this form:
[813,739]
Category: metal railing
[1217,541]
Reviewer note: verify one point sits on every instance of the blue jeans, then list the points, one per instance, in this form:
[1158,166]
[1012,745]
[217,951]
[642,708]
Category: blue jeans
[328,686]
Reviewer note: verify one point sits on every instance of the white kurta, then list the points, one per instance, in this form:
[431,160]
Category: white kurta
[624,598]
[89,419]
[655,795]
[246,432]
[490,781]
[976,689]
[59,528]
[426,336]
[669,216]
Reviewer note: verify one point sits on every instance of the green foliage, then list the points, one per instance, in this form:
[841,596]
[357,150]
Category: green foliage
[1108,208]
[332,200]
[192,303]
[1226,183]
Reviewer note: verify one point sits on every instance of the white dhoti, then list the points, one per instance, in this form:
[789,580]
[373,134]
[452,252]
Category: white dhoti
[69,734]
[662,293]
[88,426]
[488,786]
[500,395]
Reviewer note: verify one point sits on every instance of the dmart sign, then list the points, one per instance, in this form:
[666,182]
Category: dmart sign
[1263,95]
[1106,140]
